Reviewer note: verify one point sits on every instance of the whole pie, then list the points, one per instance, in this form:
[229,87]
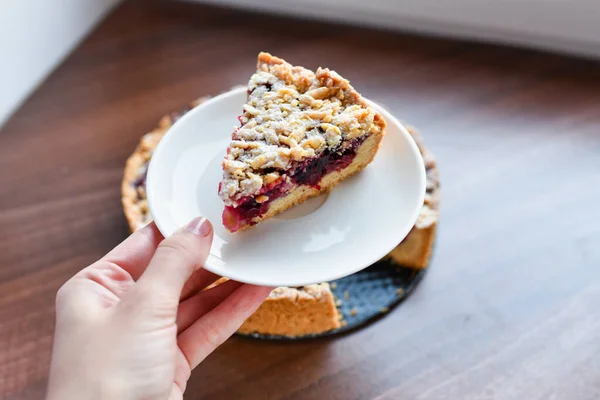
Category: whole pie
[288,311]
[300,134]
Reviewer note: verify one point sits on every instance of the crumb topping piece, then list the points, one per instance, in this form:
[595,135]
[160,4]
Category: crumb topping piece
[291,114]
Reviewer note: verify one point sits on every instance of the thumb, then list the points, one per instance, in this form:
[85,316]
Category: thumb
[174,261]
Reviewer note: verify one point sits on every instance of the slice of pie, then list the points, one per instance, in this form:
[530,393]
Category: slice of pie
[300,134]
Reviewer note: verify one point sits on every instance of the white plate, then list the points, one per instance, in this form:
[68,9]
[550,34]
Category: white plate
[326,238]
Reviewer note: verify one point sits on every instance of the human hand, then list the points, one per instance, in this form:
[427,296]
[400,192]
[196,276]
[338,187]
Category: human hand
[135,323]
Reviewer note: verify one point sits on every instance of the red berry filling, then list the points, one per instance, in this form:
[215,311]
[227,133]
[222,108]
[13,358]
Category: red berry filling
[248,208]
[309,172]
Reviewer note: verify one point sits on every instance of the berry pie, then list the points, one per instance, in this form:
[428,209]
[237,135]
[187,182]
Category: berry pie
[300,134]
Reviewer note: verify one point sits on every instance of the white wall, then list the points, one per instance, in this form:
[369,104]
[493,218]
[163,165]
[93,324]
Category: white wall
[35,35]
[570,26]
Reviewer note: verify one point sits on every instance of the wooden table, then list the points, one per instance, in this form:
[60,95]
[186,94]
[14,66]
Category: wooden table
[510,306]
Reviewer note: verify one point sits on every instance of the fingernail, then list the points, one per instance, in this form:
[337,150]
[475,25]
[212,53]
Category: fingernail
[199,226]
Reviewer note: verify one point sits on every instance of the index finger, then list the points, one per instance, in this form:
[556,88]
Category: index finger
[135,252]
[213,328]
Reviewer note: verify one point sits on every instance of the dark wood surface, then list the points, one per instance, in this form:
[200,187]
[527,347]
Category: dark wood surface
[510,306]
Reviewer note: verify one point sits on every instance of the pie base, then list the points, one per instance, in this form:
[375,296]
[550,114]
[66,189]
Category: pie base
[415,250]
[295,312]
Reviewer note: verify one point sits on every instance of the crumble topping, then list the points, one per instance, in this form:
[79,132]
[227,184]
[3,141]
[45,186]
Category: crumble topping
[291,114]
[315,291]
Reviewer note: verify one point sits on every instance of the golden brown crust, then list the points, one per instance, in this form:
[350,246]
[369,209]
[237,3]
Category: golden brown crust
[135,205]
[415,250]
[295,312]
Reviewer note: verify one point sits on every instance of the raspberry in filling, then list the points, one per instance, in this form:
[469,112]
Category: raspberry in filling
[297,127]
[309,172]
